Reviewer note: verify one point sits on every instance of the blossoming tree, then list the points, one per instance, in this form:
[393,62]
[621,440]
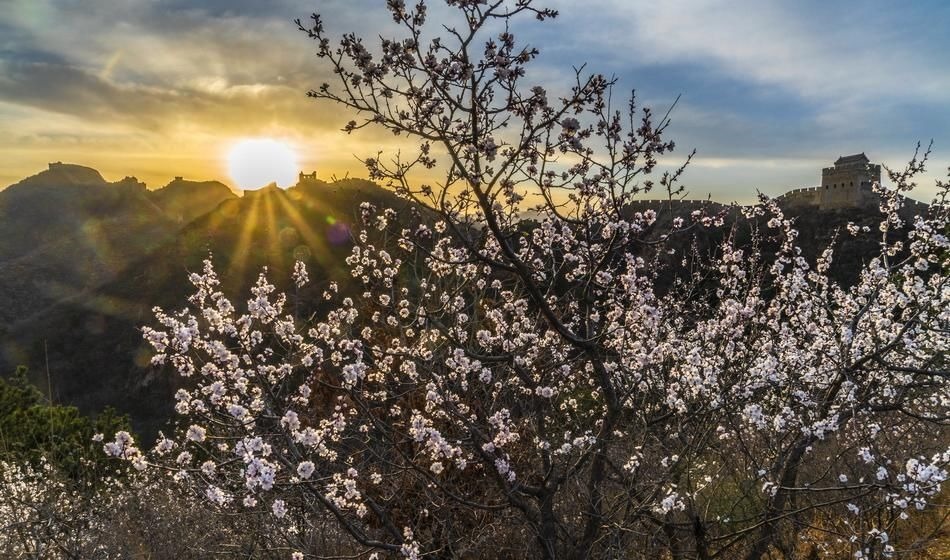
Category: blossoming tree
[500,386]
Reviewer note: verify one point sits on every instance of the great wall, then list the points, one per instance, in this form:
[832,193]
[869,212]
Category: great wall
[846,184]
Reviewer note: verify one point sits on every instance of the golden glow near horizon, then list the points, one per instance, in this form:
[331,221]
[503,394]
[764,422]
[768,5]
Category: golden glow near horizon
[257,162]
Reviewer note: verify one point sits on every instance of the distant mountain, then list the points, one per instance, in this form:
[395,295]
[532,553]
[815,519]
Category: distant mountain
[183,200]
[95,350]
[115,250]
[60,173]
[66,230]
[817,230]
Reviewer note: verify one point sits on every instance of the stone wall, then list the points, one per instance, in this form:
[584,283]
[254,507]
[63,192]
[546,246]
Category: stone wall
[807,196]
[847,184]
[821,198]
[676,203]
[830,197]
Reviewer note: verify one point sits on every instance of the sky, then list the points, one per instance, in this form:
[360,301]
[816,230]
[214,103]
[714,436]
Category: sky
[770,91]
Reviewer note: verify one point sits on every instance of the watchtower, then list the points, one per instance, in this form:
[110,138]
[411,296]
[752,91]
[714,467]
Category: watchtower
[848,182]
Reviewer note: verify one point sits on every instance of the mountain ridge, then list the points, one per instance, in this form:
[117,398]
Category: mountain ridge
[66,229]
[64,173]
[88,336]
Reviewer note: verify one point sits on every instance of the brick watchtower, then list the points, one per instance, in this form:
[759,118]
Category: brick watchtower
[848,183]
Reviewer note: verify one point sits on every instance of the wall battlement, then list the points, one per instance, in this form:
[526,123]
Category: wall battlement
[677,201]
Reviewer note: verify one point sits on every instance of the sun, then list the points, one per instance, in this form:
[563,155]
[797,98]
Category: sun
[254,163]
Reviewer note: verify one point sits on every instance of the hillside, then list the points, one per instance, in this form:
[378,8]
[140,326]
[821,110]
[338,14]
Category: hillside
[817,229]
[95,351]
[67,230]
[182,201]
[90,335]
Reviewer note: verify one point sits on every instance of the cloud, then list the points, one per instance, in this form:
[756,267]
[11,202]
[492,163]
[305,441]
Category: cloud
[204,103]
[777,81]
[815,50]
[163,67]
[763,81]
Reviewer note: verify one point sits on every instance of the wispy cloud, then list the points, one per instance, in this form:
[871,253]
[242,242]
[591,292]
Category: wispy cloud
[819,50]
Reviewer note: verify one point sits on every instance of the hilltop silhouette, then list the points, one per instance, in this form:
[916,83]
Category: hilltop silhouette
[66,230]
[83,314]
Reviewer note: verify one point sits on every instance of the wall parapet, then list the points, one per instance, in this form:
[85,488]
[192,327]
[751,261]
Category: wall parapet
[676,201]
[797,191]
